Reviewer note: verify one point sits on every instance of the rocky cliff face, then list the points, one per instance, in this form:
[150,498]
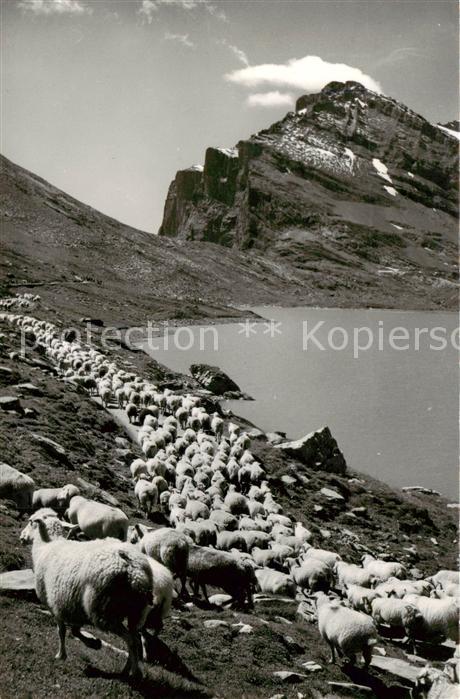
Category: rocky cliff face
[351,177]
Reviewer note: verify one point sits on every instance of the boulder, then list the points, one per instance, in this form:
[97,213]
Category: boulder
[331,494]
[289,676]
[29,388]
[11,403]
[214,623]
[317,450]
[50,446]
[213,379]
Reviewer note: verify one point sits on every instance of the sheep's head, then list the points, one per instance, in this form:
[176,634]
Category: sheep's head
[46,524]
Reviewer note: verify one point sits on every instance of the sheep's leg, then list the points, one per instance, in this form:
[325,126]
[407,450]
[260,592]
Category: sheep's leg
[331,646]
[205,592]
[367,656]
[132,667]
[61,654]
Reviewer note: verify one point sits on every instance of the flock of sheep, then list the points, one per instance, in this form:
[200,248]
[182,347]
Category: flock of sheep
[226,531]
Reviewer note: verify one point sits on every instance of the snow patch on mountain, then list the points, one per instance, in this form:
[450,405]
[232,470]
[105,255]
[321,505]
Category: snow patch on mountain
[382,169]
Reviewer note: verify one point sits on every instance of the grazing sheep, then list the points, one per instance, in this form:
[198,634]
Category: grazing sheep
[399,588]
[302,533]
[231,540]
[329,557]
[351,574]
[438,618]
[220,569]
[382,570]
[167,546]
[147,494]
[16,486]
[195,509]
[138,468]
[266,558]
[255,538]
[445,577]
[272,582]
[361,598]
[97,520]
[57,498]
[236,503]
[345,630]
[98,583]
[131,411]
[313,575]
[397,613]
[203,532]
[224,520]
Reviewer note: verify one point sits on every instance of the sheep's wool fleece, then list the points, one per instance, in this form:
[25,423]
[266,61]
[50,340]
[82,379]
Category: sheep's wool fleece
[348,628]
[89,582]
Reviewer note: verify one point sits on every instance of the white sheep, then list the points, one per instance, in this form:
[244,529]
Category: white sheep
[97,520]
[16,486]
[445,577]
[147,494]
[57,498]
[167,546]
[397,613]
[351,574]
[98,583]
[439,618]
[329,557]
[273,582]
[345,630]
[383,570]
[360,598]
[313,575]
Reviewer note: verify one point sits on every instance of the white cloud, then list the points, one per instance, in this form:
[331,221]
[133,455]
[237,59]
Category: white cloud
[270,99]
[148,8]
[181,38]
[309,74]
[55,7]
[237,52]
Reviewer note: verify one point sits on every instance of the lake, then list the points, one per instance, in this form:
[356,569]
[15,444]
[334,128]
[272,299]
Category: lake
[390,397]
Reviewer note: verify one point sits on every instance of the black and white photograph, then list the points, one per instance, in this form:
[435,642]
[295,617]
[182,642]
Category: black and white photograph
[229,349]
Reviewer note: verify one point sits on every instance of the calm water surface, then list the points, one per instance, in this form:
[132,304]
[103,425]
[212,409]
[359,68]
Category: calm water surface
[393,412]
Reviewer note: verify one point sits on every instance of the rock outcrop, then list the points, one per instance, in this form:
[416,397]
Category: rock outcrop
[318,450]
[215,380]
[352,180]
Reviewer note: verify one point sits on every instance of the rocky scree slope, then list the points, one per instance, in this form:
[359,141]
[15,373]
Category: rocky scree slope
[352,184]
[88,264]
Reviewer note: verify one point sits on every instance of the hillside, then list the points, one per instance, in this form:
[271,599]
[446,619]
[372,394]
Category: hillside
[354,190]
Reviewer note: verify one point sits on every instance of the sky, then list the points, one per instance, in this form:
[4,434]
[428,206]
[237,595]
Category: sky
[107,99]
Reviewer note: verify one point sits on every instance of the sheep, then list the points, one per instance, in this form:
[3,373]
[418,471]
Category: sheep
[167,546]
[302,533]
[97,520]
[438,618]
[16,486]
[444,577]
[220,569]
[382,570]
[223,520]
[351,574]
[147,494]
[195,510]
[217,425]
[432,683]
[138,468]
[313,575]
[131,411]
[202,532]
[361,598]
[265,558]
[57,498]
[100,583]
[255,538]
[236,503]
[345,630]
[399,588]
[329,557]
[231,540]
[399,614]
[273,582]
